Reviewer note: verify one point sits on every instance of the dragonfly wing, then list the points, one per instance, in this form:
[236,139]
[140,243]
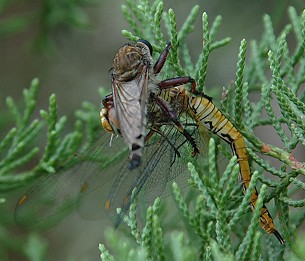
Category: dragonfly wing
[104,198]
[159,165]
[50,197]
[57,193]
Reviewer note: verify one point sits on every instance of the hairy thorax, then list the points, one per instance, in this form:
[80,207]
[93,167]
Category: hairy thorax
[129,62]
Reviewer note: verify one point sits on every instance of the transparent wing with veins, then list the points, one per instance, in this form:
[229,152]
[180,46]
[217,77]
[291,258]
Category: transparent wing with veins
[159,166]
[100,181]
[58,193]
[130,100]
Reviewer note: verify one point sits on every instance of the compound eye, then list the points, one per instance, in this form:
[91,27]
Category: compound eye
[147,44]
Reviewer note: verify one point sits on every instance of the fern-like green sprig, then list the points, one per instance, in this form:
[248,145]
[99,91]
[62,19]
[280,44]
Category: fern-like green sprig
[203,58]
[239,83]
[15,145]
[244,249]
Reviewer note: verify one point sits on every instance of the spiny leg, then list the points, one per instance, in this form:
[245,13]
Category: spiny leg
[157,130]
[177,124]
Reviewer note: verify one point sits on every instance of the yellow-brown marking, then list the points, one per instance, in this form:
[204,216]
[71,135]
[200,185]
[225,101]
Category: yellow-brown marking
[208,116]
[205,113]
[22,200]
[84,187]
[107,204]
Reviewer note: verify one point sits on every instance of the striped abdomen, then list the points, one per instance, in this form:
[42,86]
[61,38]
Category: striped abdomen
[206,114]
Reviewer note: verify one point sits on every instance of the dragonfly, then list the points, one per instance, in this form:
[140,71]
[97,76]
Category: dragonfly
[154,124]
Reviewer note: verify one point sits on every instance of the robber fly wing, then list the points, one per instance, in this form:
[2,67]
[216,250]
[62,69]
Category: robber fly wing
[130,103]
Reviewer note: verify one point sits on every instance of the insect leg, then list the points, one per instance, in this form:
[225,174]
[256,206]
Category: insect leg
[162,58]
[107,101]
[149,135]
[157,130]
[173,82]
[172,116]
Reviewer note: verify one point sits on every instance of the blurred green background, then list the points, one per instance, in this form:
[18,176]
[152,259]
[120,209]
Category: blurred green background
[78,58]
[72,54]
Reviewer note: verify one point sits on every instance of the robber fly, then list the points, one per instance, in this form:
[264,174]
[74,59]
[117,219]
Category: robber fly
[156,120]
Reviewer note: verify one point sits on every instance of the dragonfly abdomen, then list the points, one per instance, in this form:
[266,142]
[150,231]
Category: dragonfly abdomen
[206,114]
